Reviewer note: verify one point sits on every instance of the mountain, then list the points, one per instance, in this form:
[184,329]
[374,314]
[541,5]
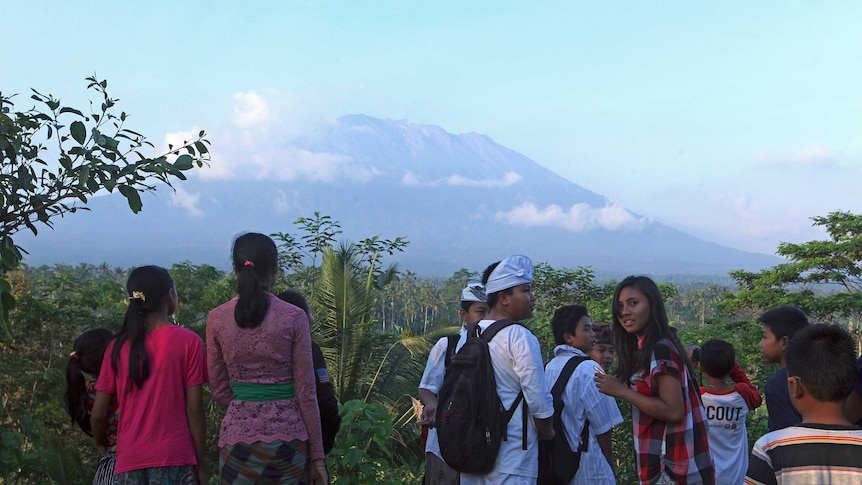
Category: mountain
[462,201]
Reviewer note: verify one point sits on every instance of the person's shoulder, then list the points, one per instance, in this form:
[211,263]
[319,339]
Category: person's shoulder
[225,308]
[178,332]
[778,378]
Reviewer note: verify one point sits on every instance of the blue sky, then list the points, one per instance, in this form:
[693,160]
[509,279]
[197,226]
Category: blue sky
[733,121]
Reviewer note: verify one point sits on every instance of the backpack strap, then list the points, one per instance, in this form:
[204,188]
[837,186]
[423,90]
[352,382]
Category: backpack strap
[557,394]
[487,335]
[492,329]
[451,346]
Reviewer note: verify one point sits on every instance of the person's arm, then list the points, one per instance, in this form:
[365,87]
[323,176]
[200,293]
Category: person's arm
[198,427]
[219,377]
[319,475]
[745,388]
[606,444]
[429,407]
[432,380]
[99,419]
[545,428]
[330,420]
[667,406]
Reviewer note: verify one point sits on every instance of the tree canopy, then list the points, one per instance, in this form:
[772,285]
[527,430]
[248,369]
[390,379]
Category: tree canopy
[822,277]
[55,157]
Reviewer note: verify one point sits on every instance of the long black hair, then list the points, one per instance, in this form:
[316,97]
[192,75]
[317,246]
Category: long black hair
[147,287]
[255,259]
[631,358]
[86,357]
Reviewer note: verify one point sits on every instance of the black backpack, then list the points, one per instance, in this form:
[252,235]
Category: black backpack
[471,421]
[557,462]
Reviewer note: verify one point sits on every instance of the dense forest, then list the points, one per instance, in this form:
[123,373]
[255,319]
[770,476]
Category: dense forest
[375,324]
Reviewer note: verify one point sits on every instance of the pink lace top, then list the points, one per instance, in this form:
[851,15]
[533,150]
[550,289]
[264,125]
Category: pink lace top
[275,352]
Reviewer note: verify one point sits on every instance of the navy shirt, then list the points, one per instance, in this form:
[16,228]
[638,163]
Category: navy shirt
[779,407]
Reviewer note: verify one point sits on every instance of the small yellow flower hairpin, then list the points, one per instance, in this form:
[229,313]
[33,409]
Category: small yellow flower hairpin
[138,295]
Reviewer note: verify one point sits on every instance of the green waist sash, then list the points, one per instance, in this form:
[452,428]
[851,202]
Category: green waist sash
[250,391]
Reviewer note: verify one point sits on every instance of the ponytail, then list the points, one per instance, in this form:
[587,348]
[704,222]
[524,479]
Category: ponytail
[86,357]
[147,287]
[255,259]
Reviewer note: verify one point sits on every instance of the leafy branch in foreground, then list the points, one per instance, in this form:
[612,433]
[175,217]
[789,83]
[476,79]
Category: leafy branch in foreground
[55,157]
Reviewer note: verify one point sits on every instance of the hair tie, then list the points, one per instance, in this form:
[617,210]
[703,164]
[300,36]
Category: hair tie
[248,263]
[138,295]
[74,356]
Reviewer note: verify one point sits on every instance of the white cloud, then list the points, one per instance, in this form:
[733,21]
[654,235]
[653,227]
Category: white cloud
[410,179]
[250,109]
[815,155]
[510,178]
[261,143]
[578,218]
[186,201]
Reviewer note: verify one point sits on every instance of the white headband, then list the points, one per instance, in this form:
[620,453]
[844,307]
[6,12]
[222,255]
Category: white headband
[512,271]
[474,292]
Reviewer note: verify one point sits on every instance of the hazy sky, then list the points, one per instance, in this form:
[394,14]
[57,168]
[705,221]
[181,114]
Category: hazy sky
[733,121]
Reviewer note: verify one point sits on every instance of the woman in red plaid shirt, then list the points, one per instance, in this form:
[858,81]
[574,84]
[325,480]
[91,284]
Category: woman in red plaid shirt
[670,426]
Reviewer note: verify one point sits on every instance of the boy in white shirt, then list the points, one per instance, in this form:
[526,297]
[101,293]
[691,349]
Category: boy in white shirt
[574,336]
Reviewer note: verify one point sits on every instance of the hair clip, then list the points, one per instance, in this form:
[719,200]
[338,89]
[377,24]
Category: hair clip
[138,295]
[74,356]
[248,263]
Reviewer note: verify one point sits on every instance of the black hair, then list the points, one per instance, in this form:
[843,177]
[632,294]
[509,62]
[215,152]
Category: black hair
[717,358]
[783,321]
[255,258]
[493,297]
[604,335]
[633,359]
[824,357]
[565,320]
[86,357]
[147,288]
[296,299]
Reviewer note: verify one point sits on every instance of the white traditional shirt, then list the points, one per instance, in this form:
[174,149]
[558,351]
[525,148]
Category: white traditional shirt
[583,400]
[517,361]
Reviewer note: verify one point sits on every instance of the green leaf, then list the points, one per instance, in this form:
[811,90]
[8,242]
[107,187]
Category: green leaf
[132,196]
[201,147]
[71,110]
[78,131]
[184,162]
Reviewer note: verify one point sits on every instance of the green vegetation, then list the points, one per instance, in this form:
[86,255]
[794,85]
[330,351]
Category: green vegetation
[53,158]
[375,326]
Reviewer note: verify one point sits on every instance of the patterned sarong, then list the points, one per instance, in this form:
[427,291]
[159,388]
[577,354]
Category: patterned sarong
[264,463]
[163,475]
[105,471]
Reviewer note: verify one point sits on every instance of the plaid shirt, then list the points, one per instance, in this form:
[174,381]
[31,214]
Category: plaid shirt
[681,450]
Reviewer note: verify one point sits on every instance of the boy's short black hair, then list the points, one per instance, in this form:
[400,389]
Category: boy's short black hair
[824,357]
[604,335]
[783,321]
[717,358]
[566,320]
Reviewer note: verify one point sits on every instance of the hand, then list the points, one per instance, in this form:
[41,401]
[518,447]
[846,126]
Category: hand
[610,385]
[429,414]
[319,476]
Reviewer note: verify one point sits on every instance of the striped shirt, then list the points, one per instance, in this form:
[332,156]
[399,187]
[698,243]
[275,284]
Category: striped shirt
[807,453]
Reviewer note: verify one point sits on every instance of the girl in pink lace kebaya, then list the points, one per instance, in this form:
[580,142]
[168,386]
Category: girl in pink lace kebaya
[261,370]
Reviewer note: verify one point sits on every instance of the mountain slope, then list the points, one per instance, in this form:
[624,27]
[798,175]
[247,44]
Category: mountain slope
[462,201]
